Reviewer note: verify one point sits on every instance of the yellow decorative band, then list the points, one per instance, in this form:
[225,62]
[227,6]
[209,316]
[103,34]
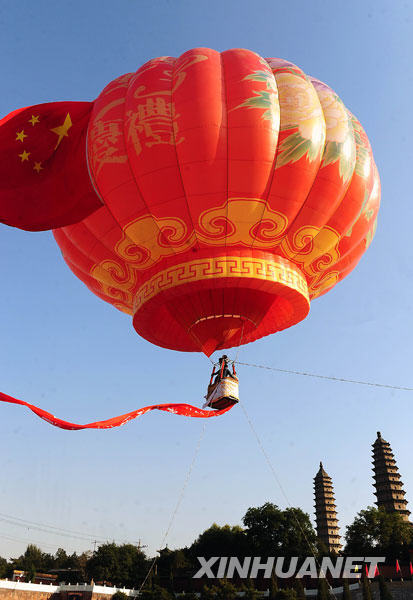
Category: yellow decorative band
[274,270]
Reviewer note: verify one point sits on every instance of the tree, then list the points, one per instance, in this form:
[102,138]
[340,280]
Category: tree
[366,589]
[299,589]
[346,590]
[250,593]
[286,594]
[220,541]
[70,568]
[273,587]
[225,590]
[187,596]
[322,591]
[207,593]
[30,573]
[272,531]
[4,567]
[120,596]
[158,593]
[377,532]
[33,561]
[169,563]
[120,565]
[385,593]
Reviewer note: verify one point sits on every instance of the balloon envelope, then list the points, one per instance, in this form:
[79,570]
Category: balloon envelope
[229,191]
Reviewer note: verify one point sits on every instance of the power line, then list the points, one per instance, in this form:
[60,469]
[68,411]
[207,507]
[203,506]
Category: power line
[330,378]
[50,529]
[26,541]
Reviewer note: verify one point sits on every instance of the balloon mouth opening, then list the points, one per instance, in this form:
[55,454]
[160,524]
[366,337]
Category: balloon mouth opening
[221,306]
[221,331]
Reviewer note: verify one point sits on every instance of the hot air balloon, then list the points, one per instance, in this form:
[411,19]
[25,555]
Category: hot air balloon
[210,196]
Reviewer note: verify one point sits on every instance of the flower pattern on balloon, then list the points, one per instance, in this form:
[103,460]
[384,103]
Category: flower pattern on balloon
[266,100]
[301,117]
[340,140]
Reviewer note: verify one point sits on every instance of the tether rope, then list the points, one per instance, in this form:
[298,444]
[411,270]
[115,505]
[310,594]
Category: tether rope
[330,378]
[311,546]
[178,504]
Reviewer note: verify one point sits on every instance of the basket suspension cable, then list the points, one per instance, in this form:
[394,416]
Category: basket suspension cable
[212,375]
[240,343]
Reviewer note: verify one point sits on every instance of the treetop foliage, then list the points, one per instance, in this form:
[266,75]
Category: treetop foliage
[267,531]
[377,532]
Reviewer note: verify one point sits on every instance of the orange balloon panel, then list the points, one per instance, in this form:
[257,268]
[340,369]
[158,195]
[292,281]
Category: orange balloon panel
[235,189]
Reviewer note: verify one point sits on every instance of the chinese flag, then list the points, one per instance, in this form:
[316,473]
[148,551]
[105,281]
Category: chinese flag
[398,569]
[376,571]
[44,179]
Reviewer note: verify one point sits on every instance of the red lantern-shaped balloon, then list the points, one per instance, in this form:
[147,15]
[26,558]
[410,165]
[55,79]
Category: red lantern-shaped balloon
[233,190]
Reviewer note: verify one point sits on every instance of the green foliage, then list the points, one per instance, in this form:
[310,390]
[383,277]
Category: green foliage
[4,567]
[220,541]
[286,594]
[272,531]
[273,587]
[299,589]
[120,596]
[170,563]
[333,152]
[250,593]
[207,593]
[32,561]
[158,593]
[366,588]
[346,590]
[377,532]
[187,596]
[225,590]
[385,593]
[72,566]
[222,591]
[124,565]
[35,561]
[294,147]
[322,591]
[262,99]
[30,574]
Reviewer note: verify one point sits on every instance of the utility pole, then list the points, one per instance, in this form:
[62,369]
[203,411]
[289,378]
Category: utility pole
[140,545]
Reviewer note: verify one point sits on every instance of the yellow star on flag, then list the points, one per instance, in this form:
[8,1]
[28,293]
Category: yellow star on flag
[24,155]
[37,167]
[20,135]
[34,120]
[62,130]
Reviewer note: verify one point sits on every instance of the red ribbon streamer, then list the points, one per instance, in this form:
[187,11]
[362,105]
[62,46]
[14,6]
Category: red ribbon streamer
[185,410]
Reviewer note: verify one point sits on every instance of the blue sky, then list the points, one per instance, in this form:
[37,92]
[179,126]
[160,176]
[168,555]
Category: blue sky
[77,357]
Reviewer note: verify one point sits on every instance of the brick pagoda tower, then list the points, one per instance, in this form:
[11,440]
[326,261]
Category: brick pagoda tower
[389,489]
[325,510]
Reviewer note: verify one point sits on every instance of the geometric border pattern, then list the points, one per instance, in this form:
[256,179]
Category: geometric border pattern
[274,270]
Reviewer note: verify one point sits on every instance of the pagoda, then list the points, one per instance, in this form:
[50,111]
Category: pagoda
[389,488]
[325,511]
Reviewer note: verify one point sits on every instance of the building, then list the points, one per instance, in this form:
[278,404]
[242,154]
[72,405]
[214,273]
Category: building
[389,488]
[325,511]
